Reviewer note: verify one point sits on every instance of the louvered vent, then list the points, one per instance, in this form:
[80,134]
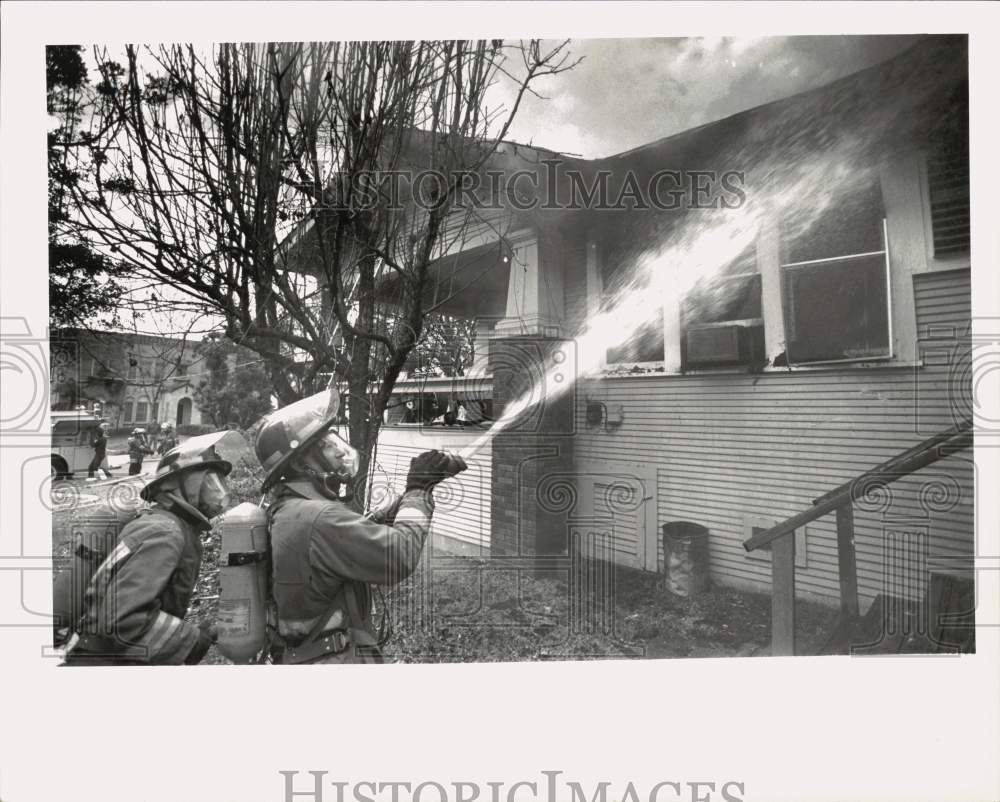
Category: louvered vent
[948,181]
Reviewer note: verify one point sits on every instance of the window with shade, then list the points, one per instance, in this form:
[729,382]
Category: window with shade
[721,316]
[835,282]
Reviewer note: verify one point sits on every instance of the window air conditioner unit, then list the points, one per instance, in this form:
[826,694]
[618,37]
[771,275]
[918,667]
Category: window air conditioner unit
[720,345]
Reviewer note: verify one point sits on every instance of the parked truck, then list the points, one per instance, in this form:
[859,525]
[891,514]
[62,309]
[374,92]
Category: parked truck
[73,431]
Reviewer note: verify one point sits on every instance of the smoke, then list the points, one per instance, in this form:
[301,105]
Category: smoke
[803,158]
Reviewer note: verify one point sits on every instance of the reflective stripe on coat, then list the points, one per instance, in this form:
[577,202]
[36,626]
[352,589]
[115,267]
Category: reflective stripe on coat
[137,598]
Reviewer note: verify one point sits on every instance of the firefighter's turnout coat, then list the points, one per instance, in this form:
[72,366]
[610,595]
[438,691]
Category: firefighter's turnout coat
[324,557]
[135,605]
[137,448]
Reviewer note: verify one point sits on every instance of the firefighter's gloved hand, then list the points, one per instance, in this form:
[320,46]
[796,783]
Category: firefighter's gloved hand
[431,467]
[385,513]
[207,635]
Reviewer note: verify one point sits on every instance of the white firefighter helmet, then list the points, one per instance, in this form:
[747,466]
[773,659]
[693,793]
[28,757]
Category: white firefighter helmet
[215,450]
[297,428]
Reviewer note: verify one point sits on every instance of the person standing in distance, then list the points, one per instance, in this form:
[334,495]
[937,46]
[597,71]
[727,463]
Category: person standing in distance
[137,449]
[100,446]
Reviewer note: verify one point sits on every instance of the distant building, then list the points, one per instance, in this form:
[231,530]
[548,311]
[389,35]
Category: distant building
[137,379]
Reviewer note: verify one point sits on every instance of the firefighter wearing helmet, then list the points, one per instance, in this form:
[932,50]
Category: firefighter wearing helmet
[168,438]
[137,449]
[136,600]
[324,554]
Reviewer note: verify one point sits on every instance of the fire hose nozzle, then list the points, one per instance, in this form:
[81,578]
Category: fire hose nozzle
[455,464]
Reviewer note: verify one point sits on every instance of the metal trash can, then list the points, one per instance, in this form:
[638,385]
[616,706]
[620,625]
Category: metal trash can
[685,554]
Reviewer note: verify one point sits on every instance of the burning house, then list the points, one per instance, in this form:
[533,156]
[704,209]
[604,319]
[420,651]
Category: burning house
[722,327]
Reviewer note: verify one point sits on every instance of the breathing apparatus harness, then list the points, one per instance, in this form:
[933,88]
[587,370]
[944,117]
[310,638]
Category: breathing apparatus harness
[248,615]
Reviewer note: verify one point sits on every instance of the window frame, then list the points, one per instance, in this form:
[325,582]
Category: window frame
[686,324]
[887,266]
[906,214]
[627,366]
[933,262]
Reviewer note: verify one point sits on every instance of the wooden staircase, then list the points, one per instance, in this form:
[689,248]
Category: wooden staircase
[940,622]
[943,622]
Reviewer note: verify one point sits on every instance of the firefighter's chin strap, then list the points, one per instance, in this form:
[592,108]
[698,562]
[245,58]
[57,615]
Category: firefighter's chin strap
[172,498]
[326,482]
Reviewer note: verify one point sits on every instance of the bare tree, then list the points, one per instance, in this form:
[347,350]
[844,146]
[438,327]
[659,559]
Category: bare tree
[446,347]
[158,365]
[251,180]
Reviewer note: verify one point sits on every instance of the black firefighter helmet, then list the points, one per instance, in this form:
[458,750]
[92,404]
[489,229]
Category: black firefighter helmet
[296,428]
[203,451]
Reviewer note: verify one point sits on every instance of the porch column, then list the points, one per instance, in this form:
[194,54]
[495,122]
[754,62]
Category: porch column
[485,331]
[535,288]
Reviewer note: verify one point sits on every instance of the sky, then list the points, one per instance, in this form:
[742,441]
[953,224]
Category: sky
[629,92]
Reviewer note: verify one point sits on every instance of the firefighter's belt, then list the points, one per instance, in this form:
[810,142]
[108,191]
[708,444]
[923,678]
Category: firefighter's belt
[333,641]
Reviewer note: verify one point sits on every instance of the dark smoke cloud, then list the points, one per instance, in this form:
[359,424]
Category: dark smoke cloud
[628,92]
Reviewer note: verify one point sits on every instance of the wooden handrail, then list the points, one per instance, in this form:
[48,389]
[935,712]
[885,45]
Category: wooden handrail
[908,462]
[842,500]
[891,463]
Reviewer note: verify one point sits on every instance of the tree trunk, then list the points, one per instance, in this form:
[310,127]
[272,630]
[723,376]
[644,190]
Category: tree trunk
[361,430]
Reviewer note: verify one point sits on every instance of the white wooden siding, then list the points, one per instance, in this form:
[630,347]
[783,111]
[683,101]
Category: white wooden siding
[462,503]
[729,446]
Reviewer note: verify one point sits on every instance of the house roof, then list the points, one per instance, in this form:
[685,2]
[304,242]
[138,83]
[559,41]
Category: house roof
[843,126]
[808,140]
[121,337]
